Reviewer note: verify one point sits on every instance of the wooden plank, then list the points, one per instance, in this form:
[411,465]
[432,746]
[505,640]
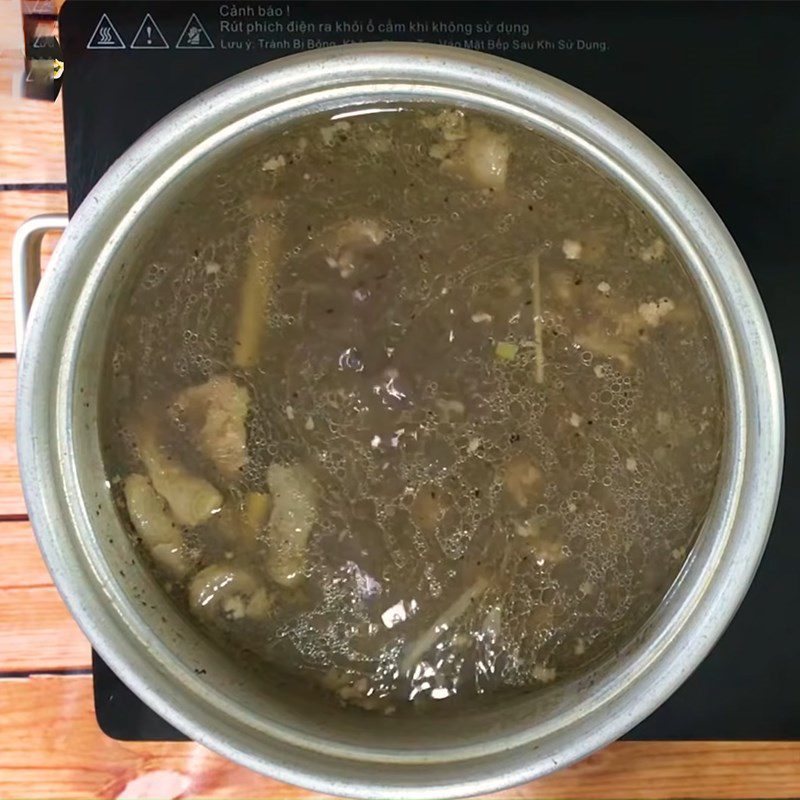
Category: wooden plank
[37,633]
[15,208]
[41,6]
[31,131]
[51,747]
[11,500]
[11,37]
[23,567]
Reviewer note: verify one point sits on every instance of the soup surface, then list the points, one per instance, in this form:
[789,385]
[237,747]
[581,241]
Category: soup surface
[414,403]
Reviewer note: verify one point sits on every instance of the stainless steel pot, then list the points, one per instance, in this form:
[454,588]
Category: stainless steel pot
[189,681]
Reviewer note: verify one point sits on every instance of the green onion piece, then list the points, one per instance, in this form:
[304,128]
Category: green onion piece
[506,350]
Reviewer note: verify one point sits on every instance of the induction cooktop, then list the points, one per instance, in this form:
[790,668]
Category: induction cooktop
[714,84]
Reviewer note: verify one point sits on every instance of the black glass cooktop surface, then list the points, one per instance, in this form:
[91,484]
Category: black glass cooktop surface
[715,85]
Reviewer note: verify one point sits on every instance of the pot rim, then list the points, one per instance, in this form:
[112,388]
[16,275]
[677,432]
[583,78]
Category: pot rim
[45,433]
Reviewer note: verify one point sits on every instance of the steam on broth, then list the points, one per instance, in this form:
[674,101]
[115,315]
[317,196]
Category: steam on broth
[418,405]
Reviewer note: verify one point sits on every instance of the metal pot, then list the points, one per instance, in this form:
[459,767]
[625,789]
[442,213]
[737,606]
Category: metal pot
[163,657]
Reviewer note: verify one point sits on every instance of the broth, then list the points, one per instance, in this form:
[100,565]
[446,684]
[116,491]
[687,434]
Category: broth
[414,403]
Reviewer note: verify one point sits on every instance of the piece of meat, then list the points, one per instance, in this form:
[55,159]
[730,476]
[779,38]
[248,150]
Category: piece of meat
[450,124]
[157,528]
[655,311]
[215,413]
[225,592]
[655,251]
[522,480]
[191,499]
[620,331]
[354,689]
[294,496]
[469,148]
[485,155]
[546,548]
[334,133]
[572,249]
[429,507]
[350,241]
[359,232]
[594,338]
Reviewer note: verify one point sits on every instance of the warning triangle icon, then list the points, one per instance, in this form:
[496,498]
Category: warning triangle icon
[149,36]
[105,36]
[194,36]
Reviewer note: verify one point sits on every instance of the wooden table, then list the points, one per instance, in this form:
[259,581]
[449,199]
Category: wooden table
[50,744]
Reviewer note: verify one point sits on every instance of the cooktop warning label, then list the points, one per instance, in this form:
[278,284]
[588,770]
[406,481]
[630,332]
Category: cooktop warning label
[149,36]
[105,36]
[194,36]
[297,26]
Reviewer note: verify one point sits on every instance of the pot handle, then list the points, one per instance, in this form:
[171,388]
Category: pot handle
[26,266]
